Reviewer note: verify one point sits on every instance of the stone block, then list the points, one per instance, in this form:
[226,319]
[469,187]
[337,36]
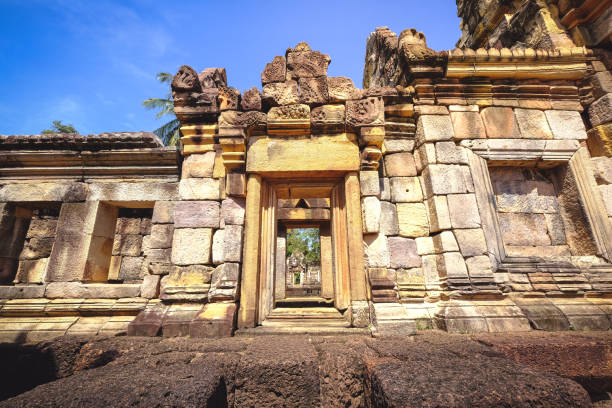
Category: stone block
[479,266]
[434,128]
[281,93]
[159,255]
[251,100]
[430,271]
[42,228]
[128,244]
[365,112]
[187,283]
[235,184]
[425,245]
[307,64]
[400,165]
[449,153]
[224,283]
[197,214]
[468,125]
[453,265]
[547,252]
[36,248]
[376,250]
[463,211]
[232,243]
[523,229]
[198,165]
[442,179]
[22,291]
[439,216]
[556,229]
[403,253]
[566,124]
[177,319]
[313,90]
[216,320]
[533,124]
[126,226]
[132,191]
[606,193]
[161,236]
[398,145]
[388,219]
[217,246]
[33,271]
[148,322]
[163,212]
[602,170]
[412,218]
[150,287]
[445,242]
[601,82]
[406,190]
[342,89]
[66,192]
[425,155]
[600,111]
[328,119]
[131,268]
[232,211]
[385,188]
[369,183]
[199,189]
[77,290]
[159,268]
[191,246]
[600,140]
[471,241]
[371,214]
[500,123]
[275,71]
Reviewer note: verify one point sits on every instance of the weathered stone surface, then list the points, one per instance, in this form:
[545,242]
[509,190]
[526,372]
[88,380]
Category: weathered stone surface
[163,212]
[566,124]
[328,119]
[471,241]
[191,246]
[600,140]
[161,236]
[600,111]
[199,189]
[602,170]
[388,219]
[403,253]
[439,216]
[400,165]
[606,193]
[36,248]
[500,123]
[533,124]
[132,191]
[280,93]
[313,90]
[150,287]
[549,252]
[463,211]
[126,226]
[468,125]
[213,77]
[341,89]
[33,271]
[198,165]
[365,112]
[453,265]
[131,268]
[289,112]
[232,211]
[376,250]
[398,145]
[275,71]
[523,229]
[556,230]
[445,242]
[369,183]
[441,179]
[449,153]
[218,246]
[406,190]
[307,64]
[42,228]
[61,191]
[77,290]
[197,214]
[228,98]
[434,128]
[251,100]
[479,266]
[128,244]
[214,321]
[371,214]
[224,283]
[412,219]
[232,243]
[601,83]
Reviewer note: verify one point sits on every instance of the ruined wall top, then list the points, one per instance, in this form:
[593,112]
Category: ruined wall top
[77,142]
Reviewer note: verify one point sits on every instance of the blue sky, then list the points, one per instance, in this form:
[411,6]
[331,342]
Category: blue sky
[92,63]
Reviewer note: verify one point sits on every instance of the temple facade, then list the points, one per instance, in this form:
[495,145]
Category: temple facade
[468,190]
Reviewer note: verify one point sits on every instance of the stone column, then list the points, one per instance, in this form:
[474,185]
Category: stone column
[13,228]
[281,254]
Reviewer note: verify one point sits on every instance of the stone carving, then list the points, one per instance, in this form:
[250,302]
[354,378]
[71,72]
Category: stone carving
[365,112]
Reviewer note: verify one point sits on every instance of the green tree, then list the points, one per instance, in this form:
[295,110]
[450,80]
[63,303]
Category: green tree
[307,241]
[170,132]
[58,127]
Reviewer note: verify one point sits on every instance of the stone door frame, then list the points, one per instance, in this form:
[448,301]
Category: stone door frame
[257,281]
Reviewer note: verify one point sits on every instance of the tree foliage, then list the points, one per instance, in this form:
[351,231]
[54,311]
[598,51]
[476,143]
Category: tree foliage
[306,241]
[169,133]
[58,127]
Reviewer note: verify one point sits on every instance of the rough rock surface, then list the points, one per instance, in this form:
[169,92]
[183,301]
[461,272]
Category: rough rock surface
[426,370]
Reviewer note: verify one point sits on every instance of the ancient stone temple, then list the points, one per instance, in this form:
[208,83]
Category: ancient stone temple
[468,190]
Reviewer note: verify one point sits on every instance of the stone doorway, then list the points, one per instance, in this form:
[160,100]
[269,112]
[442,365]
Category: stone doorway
[326,206]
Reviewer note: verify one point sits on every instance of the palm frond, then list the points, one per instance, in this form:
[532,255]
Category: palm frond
[157,103]
[166,110]
[164,77]
[168,133]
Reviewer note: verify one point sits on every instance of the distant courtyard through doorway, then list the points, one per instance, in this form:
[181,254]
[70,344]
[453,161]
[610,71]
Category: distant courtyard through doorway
[303,262]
